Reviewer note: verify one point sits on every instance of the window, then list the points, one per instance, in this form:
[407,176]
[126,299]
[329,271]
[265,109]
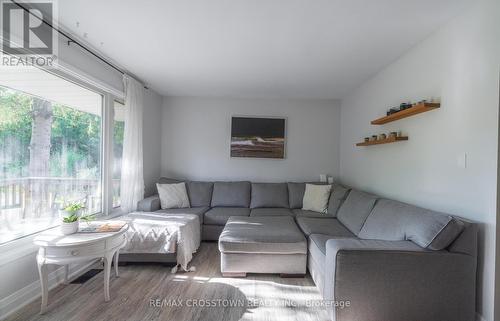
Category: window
[118,127]
[50,149]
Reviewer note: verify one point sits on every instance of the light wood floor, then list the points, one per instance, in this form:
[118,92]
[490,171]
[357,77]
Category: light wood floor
[257,297]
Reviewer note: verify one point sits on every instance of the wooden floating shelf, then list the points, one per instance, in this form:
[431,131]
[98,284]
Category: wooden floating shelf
[417,109]
[388,140]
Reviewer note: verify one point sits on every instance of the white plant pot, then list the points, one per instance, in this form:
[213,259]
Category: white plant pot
[69,228]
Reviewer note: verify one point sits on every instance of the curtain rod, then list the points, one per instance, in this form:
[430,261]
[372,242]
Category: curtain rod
[72,40]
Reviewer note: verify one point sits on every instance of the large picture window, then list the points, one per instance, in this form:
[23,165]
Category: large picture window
[50,150]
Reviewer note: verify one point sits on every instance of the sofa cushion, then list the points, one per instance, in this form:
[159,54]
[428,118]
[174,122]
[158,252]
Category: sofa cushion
[200,193]
[305,213]
[192,210]
[296,193]
[269,195]
[355,210]
[335,245]
[264,235]
[271,212]
[220,215]
[326,226]
[337,197]
[231,194]
[396,221]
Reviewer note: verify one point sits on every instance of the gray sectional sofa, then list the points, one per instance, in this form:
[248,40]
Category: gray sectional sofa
[371,258]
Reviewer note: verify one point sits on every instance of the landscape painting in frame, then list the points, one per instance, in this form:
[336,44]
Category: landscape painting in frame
[258,137]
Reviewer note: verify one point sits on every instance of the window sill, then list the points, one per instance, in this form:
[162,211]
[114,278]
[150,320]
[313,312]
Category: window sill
[23,246]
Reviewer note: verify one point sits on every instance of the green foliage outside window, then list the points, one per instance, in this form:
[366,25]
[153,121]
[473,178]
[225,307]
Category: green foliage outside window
[75,138]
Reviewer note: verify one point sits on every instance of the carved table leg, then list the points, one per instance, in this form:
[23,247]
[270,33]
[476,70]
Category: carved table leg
[66,274]
[117,255]
[42,270]
[107,271]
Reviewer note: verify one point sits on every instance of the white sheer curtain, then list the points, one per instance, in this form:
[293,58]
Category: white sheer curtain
[132,178]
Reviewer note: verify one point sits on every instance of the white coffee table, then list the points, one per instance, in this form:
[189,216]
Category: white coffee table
[59,249]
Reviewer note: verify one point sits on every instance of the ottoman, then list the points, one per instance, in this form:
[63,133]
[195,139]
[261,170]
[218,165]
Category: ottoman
[272,244]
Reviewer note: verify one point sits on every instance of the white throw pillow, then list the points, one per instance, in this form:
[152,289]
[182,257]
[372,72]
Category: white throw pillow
[173,195]
[316,198]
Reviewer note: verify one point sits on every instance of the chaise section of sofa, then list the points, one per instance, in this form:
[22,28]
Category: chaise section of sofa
[406,263]
[397,280]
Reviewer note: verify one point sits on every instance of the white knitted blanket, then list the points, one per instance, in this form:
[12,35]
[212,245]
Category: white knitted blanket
[151,232]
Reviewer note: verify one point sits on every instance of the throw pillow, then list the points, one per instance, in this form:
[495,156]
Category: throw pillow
[173,195]
[316,198]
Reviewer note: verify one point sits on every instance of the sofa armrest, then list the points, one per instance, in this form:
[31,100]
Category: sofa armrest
[397,280]
[149,204]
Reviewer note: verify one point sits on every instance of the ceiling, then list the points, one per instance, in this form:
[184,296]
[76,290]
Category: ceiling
[255,48]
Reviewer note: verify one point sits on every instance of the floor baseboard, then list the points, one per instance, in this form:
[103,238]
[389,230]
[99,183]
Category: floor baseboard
[31,292]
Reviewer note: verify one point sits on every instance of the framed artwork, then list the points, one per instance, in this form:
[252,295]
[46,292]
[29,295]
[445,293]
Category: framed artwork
[258,137]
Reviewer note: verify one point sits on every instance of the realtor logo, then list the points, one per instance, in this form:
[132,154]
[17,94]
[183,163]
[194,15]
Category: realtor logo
[27,31]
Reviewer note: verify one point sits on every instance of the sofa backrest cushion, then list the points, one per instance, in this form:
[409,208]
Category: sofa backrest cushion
[296,193]
[395,221]
[231,194]
[200,193]
[337,197]
[355,210]
[269,195]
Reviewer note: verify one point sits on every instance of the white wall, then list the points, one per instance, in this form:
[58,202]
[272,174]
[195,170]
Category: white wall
[152,140]
[460,64]
[196,138]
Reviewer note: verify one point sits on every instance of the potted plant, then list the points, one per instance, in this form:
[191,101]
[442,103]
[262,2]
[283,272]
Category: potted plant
[69,224]
[71,215]
[71,208]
